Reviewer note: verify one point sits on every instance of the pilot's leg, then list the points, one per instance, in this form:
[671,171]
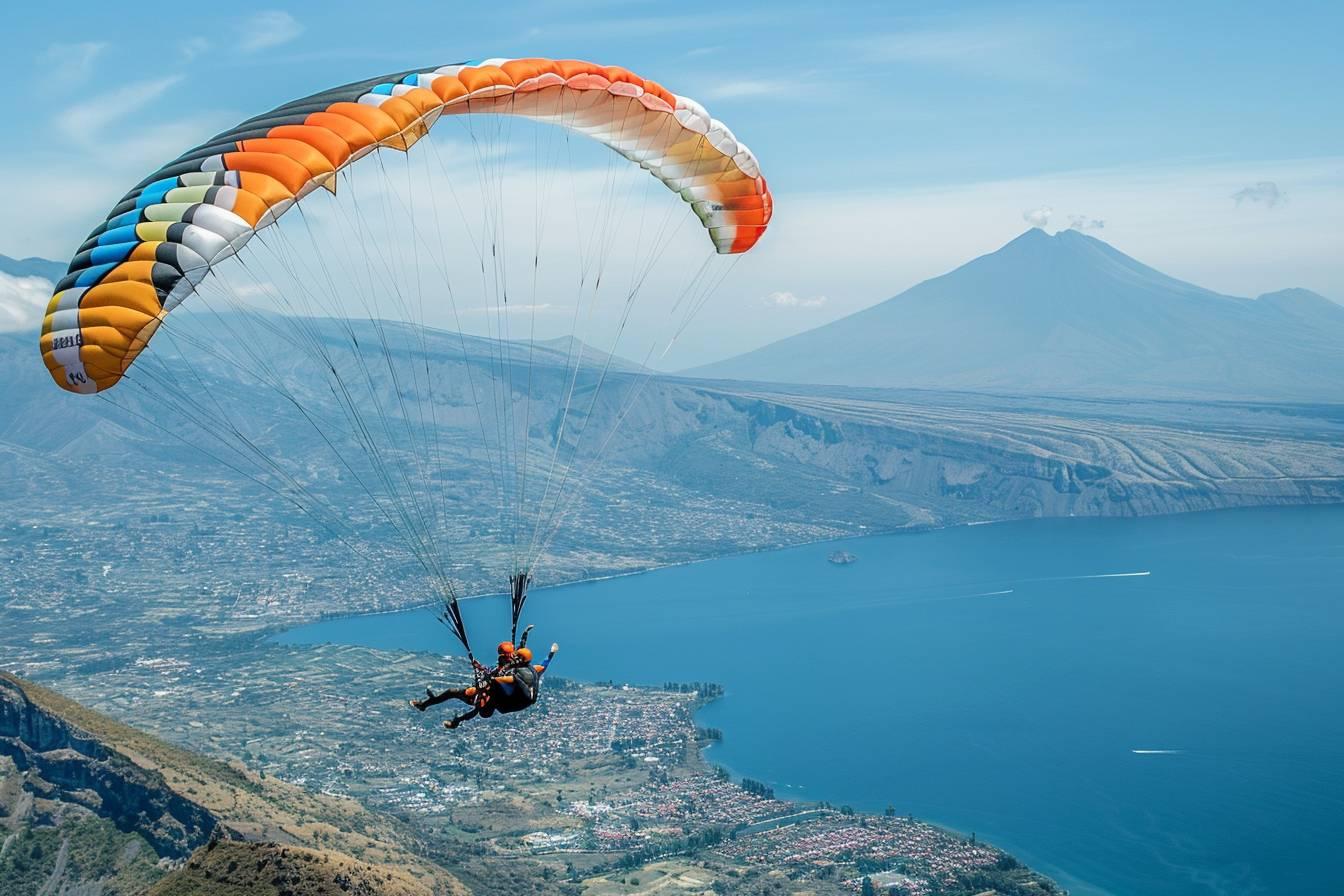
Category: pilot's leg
[433,699]
[458,720]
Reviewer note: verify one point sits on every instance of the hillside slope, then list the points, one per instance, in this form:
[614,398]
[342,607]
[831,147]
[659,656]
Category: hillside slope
[1069,315]
[696,469]
[73,766]
[266,869]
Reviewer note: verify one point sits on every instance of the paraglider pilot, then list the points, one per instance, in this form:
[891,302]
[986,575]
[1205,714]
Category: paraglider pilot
[513,685]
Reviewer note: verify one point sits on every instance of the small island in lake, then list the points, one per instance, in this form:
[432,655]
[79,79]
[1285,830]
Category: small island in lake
[840,558]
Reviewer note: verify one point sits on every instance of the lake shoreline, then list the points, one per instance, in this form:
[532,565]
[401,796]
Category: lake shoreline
[1029,663]
[1069,885]
[643,570]
[913,529]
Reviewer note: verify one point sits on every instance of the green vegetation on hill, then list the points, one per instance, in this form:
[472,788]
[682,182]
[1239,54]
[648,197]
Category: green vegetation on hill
[85,852]
[226,868]
[331,832]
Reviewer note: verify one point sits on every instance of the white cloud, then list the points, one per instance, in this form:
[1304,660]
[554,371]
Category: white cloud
[1039,216]
[81,184]
[84,121]
[22,302]
[156,144]
[792,300]
[1265,192]
[854,248]
[267,29]
[255,290]
[859,248]
[71,63]
[1083,222]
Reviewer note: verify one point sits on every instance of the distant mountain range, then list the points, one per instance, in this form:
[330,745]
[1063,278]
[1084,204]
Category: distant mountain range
[1069,315]
[32,267]
[566,350]
[693,467]
[1065,315]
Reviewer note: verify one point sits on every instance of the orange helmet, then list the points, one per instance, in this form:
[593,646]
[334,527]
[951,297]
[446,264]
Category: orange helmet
[524,654]
[505,648]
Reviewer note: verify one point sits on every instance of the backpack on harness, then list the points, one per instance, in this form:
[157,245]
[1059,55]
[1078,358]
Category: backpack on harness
[522,693]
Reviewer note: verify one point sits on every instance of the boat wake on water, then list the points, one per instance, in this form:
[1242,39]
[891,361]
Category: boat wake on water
[1115,575]
[1100,575]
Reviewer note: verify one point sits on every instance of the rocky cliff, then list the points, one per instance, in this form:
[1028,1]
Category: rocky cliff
[61,766]
[903,458]
[639,473]
[89,805]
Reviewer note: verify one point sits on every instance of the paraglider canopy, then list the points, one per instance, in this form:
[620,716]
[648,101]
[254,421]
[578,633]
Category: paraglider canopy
[170,236]
[161,240]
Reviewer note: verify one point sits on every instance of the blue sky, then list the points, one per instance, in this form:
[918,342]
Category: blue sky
[900,138]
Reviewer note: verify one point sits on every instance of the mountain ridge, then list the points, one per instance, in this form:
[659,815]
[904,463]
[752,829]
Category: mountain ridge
[567,350]
[32,266]
[1068,314]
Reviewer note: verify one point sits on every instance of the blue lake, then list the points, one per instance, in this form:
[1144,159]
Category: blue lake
[1150,706]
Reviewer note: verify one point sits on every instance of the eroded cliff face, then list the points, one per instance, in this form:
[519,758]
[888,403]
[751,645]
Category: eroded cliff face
[90,805]
[937,461]
[59,766]
[1021,466]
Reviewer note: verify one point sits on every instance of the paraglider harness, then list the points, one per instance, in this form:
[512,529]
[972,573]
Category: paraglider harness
[483,675]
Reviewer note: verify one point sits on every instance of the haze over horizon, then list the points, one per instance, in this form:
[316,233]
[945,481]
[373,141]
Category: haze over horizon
[898,146]
[340,342]
[1062,313]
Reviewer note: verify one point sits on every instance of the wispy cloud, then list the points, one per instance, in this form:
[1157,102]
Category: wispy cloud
[84,121]
[863,246]
[270,28]
[108,140]
[935,46]
[1265,192]
[637,26]
[792,300]
[748,88]
[22,301]
[256,290]
[1083,222]
[192,47]
[1039,216]
[71,63]
[155,144]
[1013,48]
